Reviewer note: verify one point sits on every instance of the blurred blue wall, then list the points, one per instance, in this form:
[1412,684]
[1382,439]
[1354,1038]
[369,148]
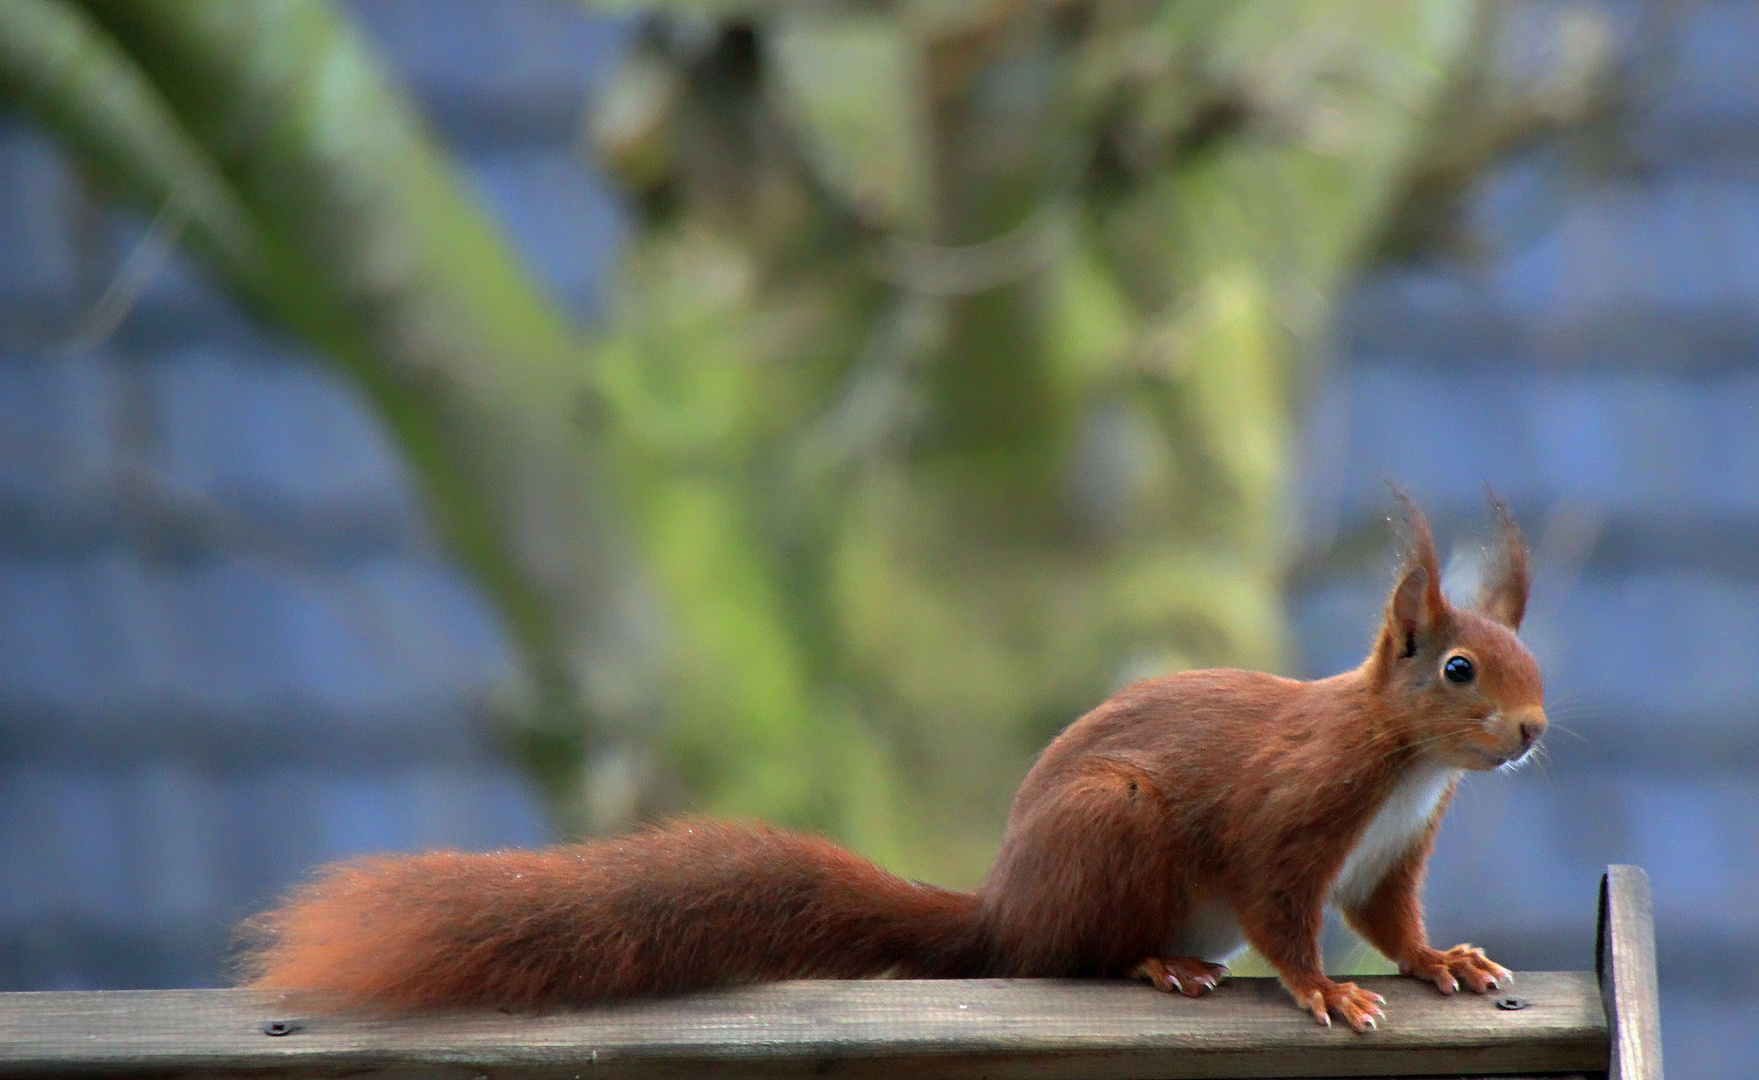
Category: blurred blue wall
[230,648]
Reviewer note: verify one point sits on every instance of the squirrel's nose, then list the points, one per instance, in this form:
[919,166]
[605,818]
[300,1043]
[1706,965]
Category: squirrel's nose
[1531,725]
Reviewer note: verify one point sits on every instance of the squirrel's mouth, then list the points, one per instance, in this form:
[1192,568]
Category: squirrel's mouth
[1519,761]
[1501,756]
[1488,759]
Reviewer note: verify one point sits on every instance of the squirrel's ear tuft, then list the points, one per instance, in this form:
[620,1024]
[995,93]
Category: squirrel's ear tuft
[1508,577]
[1416,606]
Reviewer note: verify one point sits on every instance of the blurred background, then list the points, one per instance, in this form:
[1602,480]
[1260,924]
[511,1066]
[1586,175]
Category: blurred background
[477,423]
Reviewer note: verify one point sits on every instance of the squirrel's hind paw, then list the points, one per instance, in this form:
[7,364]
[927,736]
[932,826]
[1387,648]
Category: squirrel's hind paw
[1186,975]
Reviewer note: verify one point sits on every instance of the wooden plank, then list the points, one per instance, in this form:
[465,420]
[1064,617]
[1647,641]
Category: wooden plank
[993,1028]
[1625,962]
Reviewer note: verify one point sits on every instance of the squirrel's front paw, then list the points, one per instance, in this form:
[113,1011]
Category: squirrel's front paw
[1460,964]
[1359,1008]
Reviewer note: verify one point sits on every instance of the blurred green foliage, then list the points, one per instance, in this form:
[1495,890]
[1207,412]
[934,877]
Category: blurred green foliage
[951,376]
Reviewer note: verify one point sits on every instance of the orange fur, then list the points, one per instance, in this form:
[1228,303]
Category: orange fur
[694,904]
[1183,813]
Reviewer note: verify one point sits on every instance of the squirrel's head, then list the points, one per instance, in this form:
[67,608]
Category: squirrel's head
[1471,688]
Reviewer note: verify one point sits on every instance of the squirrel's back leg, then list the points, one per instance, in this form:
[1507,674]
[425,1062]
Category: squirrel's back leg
[1092,876]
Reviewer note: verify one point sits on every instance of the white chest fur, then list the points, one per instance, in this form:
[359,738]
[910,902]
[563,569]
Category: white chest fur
[1401,820]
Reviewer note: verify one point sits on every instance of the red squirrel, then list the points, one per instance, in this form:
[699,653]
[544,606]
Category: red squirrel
[1183,819]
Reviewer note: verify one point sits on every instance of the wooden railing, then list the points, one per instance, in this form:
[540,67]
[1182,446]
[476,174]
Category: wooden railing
[1571,1023]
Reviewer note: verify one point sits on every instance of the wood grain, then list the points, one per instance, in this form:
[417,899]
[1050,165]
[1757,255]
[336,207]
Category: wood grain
[993,1028]
[1625,961]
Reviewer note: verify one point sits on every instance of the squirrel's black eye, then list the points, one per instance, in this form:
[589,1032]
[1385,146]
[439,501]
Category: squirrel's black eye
[1458,669]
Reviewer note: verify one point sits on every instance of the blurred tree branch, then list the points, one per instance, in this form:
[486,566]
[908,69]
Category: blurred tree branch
[957,359]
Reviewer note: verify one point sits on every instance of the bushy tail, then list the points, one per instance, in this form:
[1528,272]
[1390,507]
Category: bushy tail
[688,905]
